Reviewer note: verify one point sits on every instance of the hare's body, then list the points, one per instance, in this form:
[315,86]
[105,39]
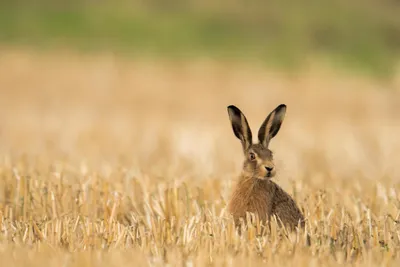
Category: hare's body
[264,198]
[255,192]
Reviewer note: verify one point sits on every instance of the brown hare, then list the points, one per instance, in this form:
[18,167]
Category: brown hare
[255,192]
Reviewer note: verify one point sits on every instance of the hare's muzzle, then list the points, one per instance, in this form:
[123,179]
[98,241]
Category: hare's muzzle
[269,171]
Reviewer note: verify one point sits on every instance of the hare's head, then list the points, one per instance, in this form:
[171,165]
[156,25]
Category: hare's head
[258,158]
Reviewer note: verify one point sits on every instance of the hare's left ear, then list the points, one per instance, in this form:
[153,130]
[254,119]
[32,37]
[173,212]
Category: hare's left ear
[240,126]
[271,125]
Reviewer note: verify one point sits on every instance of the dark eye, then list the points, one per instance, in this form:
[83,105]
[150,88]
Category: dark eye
[252,156]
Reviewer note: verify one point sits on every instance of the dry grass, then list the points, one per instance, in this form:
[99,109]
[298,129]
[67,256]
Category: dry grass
[106,162]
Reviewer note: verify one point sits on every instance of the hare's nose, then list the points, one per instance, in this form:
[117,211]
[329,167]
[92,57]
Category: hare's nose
[269,169]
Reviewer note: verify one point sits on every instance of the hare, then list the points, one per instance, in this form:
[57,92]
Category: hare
[255,192]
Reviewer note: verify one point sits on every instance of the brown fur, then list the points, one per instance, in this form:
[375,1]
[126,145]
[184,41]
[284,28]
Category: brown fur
[264,198]
[255,192]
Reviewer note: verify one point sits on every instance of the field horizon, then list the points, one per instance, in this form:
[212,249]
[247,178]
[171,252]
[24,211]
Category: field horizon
[363,35]
[106,160]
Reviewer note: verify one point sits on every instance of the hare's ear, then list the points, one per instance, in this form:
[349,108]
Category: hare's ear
[271,125]
[240,126]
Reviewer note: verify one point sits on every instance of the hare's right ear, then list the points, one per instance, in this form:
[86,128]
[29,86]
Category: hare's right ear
[240,126]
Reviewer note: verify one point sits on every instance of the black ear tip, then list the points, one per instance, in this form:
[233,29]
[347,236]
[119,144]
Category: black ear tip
[281,106]
[231,107]
[234,109]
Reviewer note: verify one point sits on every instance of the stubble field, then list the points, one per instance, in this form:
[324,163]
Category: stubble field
[106,161]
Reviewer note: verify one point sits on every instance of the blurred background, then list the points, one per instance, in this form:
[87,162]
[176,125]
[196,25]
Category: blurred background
[147,82]
[362,33]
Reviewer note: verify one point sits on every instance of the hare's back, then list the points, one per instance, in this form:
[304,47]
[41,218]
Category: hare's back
[286,209]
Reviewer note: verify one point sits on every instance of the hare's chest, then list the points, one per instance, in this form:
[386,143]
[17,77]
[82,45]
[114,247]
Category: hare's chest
[260,202]
[257,200]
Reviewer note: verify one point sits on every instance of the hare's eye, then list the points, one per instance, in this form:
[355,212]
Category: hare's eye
[252,156]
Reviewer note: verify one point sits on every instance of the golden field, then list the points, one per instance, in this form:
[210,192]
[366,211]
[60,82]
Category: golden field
[109,161]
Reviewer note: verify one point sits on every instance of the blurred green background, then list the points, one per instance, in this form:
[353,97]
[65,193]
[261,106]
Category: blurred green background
[364,34]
